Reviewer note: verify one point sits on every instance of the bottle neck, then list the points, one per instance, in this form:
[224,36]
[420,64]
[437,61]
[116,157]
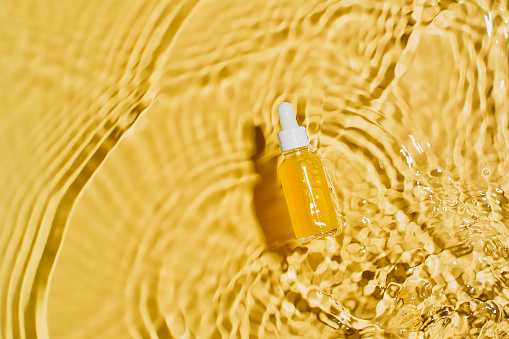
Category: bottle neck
[296,151]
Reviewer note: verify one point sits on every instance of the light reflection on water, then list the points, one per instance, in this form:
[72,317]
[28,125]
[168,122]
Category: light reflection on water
[140,195]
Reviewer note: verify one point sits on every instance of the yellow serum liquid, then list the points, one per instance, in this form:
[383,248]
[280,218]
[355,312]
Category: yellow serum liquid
[309,194]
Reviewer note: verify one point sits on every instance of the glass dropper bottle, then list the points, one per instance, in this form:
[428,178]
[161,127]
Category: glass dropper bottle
[308,190]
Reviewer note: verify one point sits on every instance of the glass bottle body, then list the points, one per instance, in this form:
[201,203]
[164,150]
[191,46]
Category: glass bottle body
[309,194]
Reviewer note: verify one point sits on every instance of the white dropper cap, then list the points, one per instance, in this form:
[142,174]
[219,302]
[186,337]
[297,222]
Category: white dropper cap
[292,135]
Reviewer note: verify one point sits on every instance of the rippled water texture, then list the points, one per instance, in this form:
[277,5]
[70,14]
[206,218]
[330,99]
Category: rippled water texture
[139,194]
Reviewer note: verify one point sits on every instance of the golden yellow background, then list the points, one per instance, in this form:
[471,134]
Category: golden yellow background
[138,160]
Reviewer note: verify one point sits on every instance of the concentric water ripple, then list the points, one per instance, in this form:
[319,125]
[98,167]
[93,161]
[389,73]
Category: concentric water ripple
[139,188]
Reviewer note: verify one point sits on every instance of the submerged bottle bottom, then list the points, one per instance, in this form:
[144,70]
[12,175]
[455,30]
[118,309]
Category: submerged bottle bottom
[319,235]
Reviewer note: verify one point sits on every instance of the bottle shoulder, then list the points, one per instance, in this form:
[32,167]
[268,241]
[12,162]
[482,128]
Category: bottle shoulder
[301,153]
[291,159]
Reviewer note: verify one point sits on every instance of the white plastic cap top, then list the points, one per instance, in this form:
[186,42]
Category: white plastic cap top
[292,135]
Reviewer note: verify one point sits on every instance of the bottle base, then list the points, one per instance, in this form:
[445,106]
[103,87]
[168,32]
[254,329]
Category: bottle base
[318,235]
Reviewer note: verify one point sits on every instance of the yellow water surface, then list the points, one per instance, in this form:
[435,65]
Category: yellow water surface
[139,154]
